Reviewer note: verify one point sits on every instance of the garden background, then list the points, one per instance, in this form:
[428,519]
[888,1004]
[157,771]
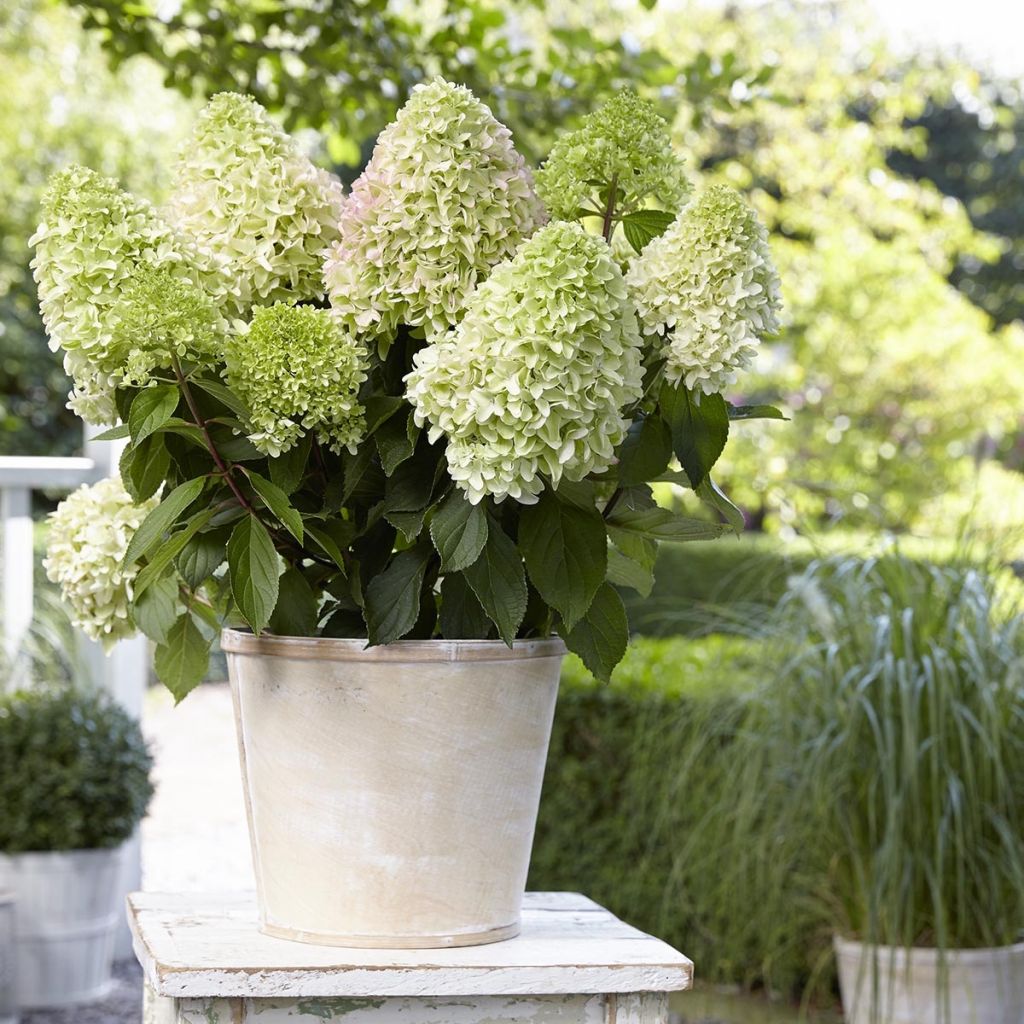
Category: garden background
[891,182]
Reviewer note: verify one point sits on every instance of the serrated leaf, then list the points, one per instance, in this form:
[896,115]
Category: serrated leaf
[645,451]
[660,524]
[499,582]
[327,544]
[462,615]
[152,408]
[459,532]
[156,609]
[378,409]
[182,428]
[700,428]
[756,412]
[152,529]
[393,596]
[288,468]
[223,394]
[624,571]
[164,555]
[112,434]
[396,441]
[643,226]
[296,611]
[409,524]
[253,562]
[566,552]
[144,467]
[277,501]
[200,558]
[182,659]
[712,495]
[600,638]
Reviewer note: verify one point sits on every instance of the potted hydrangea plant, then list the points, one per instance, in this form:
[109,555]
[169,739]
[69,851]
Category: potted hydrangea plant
[400,443]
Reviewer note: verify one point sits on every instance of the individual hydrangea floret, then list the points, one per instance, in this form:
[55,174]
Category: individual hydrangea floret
[533,382]
[297,369]
[626,142]
[88,537]
[256,203]
[444,198]
[100,252]
[708,287]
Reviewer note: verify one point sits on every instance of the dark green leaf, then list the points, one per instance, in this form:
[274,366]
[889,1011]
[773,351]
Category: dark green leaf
[380,408]
[161,559]
[238,449]
[645,452]
[152,408]
[277,501]
[296,611]
[498,580]
[756,412]
[201,557]
[254,567]
[287,469]
[345,623]
[162,518]
[711,494]
[112,434]
[642,226]
[223,394]
[144,468]
[409,524]
[396,441]
[660,524]
[156,609]
[566,552]
[182,660]
[459,532]
[624,571]
[393,596]
[699,428]
[462,616]
[327,544]
[600,638]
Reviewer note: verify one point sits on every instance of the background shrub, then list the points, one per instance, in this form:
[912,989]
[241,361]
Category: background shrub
[74,772]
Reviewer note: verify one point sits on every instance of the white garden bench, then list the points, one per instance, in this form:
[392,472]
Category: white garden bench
[205,962]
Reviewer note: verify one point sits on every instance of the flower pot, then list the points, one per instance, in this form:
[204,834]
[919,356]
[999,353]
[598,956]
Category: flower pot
[8,1007]
[67,913]
[392,792]
[909,986]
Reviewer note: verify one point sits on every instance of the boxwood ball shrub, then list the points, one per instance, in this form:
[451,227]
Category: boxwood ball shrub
[434,407]
[74,772]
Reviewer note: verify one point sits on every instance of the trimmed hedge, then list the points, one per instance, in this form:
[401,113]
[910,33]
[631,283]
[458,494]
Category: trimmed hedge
[632,811]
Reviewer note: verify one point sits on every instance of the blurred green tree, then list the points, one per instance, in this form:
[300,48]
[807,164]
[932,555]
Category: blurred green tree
[894,379]
[60,103]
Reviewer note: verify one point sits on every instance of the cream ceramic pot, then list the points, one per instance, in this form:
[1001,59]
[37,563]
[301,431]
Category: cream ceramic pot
[888,985]
[392,792]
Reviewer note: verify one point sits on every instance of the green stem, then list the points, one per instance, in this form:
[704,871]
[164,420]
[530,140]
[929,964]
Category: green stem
[609,211]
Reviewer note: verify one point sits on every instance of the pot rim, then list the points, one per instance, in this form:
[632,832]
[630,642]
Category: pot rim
[842,943]
[323,648]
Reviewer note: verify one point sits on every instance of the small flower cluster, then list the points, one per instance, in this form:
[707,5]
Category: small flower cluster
[95,248]
[255,203]
[535,378]
[708,287]
[626,142]
[444,198]
[89,534]
[297,369]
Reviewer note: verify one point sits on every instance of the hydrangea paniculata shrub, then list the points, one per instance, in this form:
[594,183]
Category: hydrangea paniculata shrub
[452,433]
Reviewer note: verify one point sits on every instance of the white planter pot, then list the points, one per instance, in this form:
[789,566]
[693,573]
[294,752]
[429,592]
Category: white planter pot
[67,912]
[392,792]
[981,986]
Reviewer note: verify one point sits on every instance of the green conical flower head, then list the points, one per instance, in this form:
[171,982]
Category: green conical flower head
[625,142]
[120,290]
[707,290]
[297,370]
[256,203]
[444,198]
[533,382]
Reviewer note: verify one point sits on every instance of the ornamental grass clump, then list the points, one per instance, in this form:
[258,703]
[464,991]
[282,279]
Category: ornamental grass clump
[451,434]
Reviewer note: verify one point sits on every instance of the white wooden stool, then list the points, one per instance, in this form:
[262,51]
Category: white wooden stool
[574,963]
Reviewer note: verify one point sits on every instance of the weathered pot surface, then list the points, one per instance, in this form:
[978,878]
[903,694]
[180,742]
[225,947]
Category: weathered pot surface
[984,986]
[392,791]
